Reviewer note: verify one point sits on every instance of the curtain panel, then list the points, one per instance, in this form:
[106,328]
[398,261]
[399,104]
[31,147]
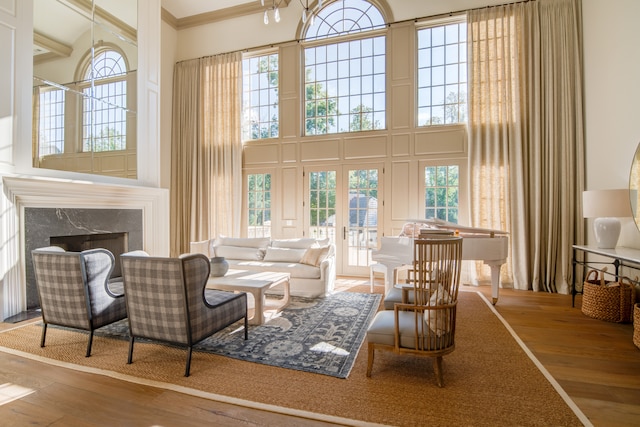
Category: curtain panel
[526,135]
[206,150]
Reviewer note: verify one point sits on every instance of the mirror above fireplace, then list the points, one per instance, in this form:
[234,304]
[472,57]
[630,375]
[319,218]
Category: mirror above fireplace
[85,62]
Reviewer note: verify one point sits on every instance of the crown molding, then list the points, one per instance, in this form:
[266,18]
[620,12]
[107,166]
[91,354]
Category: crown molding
[217,15]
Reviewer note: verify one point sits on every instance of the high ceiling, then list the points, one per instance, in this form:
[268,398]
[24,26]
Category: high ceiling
[184,8]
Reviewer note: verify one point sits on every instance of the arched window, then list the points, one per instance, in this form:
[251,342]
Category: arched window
[344,17]
[345,81]
[104,124]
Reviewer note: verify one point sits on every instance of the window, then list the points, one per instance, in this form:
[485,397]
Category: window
[51,123]
[442,192]
[442,74]
[322,204]
[105,104]
[259,205]
[344,82]
[260,97]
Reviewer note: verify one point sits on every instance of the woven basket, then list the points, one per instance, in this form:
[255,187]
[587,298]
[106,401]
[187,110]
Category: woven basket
[608,301]
[636,325]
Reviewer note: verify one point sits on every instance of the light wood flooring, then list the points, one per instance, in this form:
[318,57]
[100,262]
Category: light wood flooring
[595,362]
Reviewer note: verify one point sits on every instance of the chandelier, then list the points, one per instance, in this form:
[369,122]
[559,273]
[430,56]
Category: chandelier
[307,13]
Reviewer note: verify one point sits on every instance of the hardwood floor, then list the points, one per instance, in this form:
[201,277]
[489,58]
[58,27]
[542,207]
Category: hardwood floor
[595,362]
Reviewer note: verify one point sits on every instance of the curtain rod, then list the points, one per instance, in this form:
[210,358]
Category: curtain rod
[388,25]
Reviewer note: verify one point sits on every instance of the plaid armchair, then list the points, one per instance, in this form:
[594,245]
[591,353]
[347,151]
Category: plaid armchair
[167,301]
[74,289]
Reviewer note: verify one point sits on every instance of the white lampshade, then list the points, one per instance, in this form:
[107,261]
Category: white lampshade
[606,206]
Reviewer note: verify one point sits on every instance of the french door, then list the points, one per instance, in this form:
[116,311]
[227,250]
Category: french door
[345,205]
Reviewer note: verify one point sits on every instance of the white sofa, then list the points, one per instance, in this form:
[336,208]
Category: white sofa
[311,262]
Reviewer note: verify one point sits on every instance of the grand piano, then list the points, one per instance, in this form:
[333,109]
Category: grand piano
[487,245]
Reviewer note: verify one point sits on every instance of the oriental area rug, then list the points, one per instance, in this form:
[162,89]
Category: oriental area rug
[490,379]
[321,335]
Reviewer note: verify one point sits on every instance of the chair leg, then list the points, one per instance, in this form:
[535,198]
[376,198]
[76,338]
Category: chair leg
[437,368]
[370,359]
[246,326]
[188,368]
[44,334]
[130,359]
[89,344]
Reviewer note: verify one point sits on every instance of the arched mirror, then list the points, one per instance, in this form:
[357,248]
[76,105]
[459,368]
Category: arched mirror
[85,59]
[634,186]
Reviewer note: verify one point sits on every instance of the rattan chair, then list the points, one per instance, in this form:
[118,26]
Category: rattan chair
[425,326]
[74,290]
[167,301]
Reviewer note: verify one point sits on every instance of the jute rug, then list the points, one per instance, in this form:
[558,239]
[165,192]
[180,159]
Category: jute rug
[490,380]
[319,335]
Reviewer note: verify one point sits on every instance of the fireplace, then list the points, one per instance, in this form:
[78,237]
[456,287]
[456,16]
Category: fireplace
[35,208]
[116,243]
[77,229]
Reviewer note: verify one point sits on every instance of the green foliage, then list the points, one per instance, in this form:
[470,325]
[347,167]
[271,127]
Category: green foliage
[259,198]
[322,197]
[442,192]
[107,140]
[265,70]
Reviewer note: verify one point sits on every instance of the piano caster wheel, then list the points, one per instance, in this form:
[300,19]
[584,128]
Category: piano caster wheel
[494,301]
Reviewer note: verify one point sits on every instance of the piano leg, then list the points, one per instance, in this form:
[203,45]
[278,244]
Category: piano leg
[495,279]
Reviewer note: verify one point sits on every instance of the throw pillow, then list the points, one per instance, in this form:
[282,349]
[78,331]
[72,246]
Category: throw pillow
[438,320]
[203,247]
[245,242]
[315,256]
[283,255]
[238,252]
[300,243]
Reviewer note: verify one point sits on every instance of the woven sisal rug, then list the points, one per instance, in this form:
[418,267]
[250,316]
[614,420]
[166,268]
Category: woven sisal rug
[489,380]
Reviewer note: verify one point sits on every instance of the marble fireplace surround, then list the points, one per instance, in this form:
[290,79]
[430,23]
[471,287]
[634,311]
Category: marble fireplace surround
[42,224]
[23,193]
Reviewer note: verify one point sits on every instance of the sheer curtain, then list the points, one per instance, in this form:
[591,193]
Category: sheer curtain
[206,153]
[526,134]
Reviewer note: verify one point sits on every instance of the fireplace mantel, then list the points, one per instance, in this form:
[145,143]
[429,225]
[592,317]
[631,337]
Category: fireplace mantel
[29,192]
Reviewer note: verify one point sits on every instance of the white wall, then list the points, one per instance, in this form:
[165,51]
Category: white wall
[167,61]
[612,95]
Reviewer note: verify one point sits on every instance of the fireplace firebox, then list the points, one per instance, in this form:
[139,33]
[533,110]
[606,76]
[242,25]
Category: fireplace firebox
[116,243]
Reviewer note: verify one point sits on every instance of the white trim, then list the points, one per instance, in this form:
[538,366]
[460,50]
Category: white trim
[65,193]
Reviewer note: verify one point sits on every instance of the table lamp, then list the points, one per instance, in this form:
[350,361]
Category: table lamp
[606,206]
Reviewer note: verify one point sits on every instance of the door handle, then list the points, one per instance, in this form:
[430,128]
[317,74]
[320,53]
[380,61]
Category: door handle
[344,233]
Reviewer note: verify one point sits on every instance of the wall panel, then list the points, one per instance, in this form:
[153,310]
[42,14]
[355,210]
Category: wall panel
[290,187]
[401,144]
[260,154]
[440,142]
[322,150]
[365,147]
[401,175]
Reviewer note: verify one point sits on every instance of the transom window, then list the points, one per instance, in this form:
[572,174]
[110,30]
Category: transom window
[345,17]
[105,104]
[344,82]
[442,74]
[260,97]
